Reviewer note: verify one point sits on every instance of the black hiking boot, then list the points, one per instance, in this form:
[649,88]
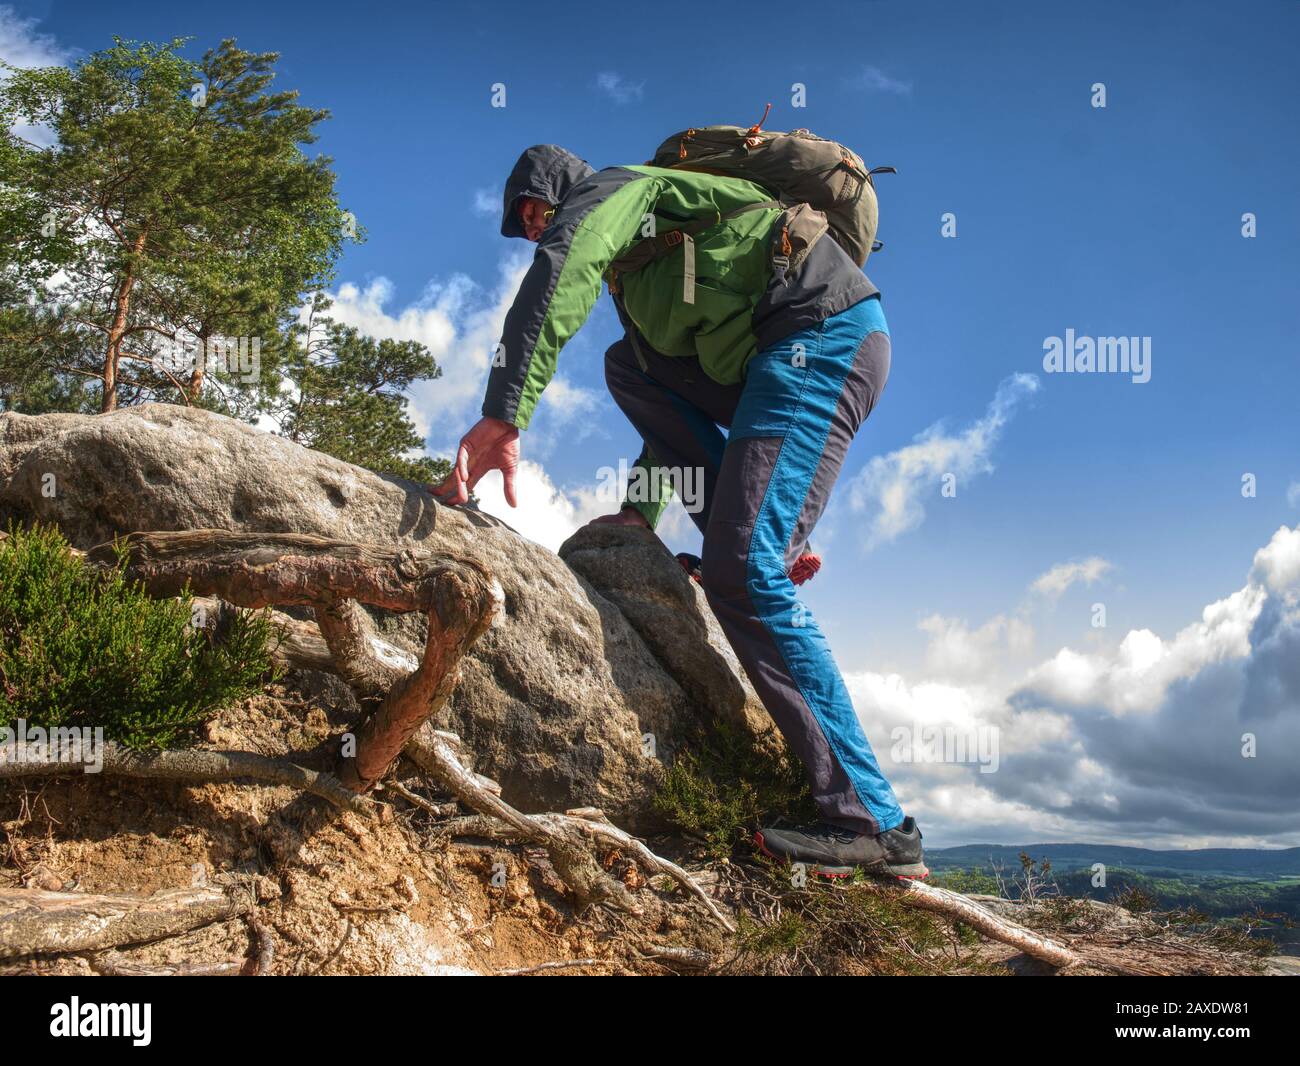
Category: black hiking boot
[691,564]
[835,852]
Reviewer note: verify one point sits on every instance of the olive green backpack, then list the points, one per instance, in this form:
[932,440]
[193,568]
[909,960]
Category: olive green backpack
[824,186]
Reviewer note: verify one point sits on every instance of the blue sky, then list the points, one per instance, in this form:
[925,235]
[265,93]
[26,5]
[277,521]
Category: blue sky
[1124,220]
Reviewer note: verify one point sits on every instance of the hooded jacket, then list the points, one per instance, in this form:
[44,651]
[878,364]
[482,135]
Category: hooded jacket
[739,303]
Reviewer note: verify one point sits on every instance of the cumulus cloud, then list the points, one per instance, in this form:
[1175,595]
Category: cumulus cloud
[1137,676]
[568,400]
[1187,741]
[956,650]
[618,88]
[22,45]
[1277,564]
[459,321]
[1053,584]
[546,514]
[891,488]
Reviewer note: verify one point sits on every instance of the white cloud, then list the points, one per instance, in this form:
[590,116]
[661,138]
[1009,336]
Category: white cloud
[429,322]
[1277,564]
[955,650]
[22,45]
[460,324]
[1138,675]
[873,79]
[618,89]
[1138,744]
[1059,578]
[1293,494]
[487,203]
[568,400]
[546,514]
[565,415]
[891,487]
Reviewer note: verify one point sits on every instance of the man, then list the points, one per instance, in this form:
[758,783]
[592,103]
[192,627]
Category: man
[791,363]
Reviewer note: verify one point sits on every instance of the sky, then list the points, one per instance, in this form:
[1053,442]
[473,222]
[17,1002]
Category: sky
[991,513]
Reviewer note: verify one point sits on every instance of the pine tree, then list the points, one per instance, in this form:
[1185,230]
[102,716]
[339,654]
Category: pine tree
[176,206]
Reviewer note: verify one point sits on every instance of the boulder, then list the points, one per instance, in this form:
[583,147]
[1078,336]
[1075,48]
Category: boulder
[555,700]
[631,567]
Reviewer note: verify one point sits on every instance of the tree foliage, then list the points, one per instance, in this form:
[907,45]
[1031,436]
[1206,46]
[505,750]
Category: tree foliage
[162,244]
[176,206]
[344,394]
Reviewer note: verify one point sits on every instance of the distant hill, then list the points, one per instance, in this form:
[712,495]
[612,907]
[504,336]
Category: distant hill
[1232,862]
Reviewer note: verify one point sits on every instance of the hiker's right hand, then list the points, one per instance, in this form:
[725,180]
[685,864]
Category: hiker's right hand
[490,445]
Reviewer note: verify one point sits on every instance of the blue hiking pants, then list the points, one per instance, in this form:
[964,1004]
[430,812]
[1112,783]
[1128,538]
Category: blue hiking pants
[765,484]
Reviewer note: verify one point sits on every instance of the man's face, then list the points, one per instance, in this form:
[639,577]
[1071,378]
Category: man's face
[534,216]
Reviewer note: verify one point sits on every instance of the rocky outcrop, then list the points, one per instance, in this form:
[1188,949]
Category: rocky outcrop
[556,699]
[629,567]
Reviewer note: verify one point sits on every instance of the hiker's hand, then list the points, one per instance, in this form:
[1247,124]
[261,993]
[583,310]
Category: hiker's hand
[490,445]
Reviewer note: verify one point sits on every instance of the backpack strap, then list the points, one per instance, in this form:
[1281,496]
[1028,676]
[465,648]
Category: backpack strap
[646,251]
[796,231]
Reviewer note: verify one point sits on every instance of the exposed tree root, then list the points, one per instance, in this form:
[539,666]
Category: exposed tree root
[335,577]
[461,599]
[114,966]
[265,948]
[560,964]
[201,767]
[36,922]
[572,840]
[961,908]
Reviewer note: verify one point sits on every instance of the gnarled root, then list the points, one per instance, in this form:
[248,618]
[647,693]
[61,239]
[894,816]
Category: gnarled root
[460,597]
[571,839]
[36,922]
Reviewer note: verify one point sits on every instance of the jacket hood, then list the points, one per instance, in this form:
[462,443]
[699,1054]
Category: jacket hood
[545,171]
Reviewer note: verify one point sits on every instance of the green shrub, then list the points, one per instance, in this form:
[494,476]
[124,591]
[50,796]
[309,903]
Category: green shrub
[81,646]
[722,785]
[858,926]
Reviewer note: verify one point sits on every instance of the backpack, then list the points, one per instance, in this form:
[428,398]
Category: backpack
[796,167]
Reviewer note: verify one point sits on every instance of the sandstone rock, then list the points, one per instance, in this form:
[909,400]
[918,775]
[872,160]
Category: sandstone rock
[632,568]
[555,699]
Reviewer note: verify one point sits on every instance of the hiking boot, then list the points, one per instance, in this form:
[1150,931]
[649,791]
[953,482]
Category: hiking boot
[835,852]
[691,564]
